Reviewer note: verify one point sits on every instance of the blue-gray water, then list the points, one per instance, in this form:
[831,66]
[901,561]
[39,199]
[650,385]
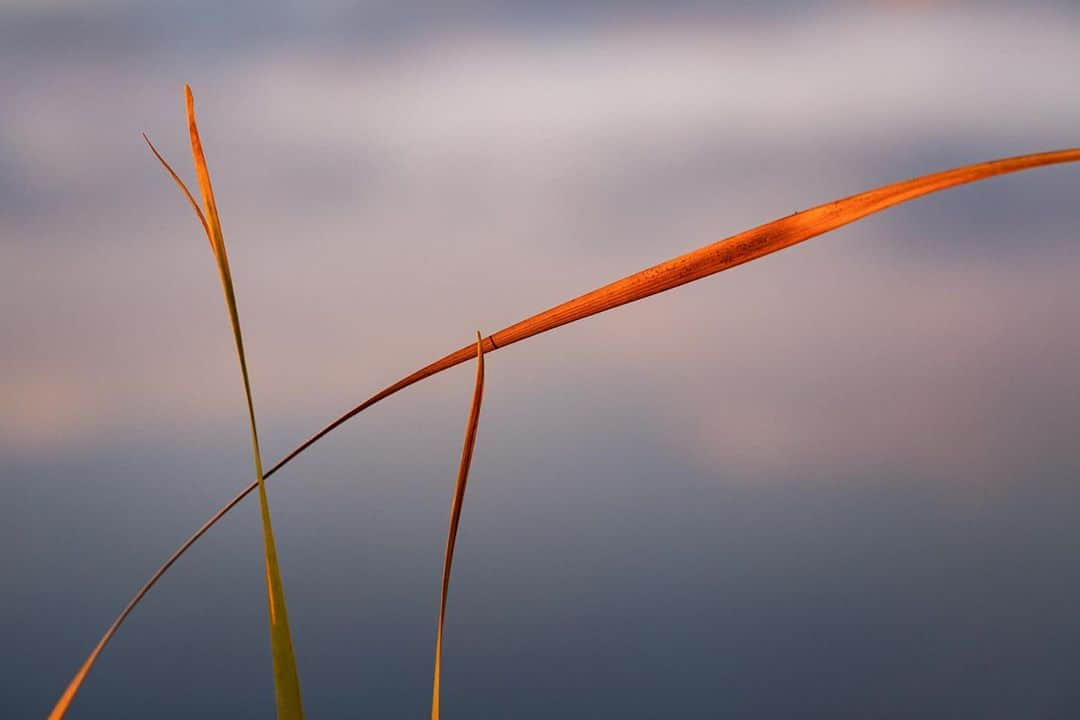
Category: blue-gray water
[841,481]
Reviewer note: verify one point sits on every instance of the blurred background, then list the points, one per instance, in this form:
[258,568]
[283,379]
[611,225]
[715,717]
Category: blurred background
[839,481]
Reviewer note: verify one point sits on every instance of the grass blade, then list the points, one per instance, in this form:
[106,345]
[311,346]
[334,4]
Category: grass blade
[455,516]
[286,678]
[733,251]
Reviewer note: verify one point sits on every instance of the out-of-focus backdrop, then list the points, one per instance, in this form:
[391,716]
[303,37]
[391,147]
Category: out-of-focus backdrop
[839,481]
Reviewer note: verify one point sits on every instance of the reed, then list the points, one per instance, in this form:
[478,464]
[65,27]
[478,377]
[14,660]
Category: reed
[471,427]
[286,679]
[744,247]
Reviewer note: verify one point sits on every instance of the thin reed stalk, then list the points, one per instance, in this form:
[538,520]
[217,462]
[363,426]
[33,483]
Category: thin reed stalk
[456,502]
[286,679]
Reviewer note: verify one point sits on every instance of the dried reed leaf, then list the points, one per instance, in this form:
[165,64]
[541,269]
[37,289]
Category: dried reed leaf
[455,516]
[708,260]
[735,250]
[286,678]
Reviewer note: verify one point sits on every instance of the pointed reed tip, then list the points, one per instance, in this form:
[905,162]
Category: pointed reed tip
[189,100]
[154,150]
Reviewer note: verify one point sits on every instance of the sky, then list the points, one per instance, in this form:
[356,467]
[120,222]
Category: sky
[838,481]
